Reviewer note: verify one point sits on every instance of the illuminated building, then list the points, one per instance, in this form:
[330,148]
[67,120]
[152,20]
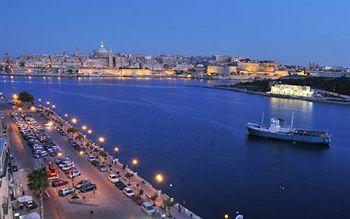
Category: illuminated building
[292,90]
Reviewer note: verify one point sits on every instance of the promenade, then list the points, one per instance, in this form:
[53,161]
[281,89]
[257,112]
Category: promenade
[107,201]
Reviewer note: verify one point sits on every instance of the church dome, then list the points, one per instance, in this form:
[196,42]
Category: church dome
[102,50]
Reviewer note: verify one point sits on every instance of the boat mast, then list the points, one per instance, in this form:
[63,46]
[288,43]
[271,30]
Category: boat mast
[262,118]
[291,123]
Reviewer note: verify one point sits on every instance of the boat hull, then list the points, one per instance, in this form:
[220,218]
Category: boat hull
[289,136]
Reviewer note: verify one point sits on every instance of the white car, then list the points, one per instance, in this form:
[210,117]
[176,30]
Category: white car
[148,208]
[74,173]
[66,191]
[128,192]
[113,178]
[91,158]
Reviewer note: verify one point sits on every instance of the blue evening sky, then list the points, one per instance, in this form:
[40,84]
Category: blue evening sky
[293,32]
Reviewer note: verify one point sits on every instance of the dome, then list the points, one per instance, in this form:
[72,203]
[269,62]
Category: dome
[101,49]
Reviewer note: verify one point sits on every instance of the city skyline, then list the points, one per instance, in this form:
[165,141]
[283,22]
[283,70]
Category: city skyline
[289,32]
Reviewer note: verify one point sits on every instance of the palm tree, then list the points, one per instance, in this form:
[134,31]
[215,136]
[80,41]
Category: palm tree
[38,182]
[168,203]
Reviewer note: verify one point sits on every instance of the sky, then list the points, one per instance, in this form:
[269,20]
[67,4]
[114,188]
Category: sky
[289,31]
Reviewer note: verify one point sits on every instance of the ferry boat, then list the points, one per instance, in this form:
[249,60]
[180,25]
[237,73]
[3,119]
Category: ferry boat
[278,130]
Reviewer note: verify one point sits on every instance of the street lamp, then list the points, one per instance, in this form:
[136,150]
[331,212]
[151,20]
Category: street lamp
[66,115]
[135,162]
[81,152]
[101,139]
[89,131]
[226,216]
[48,102]
[84,127]
[116,149]
[74,120]
[159,178]
[54,106]
[59,154]
[39,99]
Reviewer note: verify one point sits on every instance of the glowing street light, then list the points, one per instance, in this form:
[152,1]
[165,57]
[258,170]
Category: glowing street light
[59,154]
[15,96]
[81,152]
[74,120]
[101,139]
[48,102]
[89,131]
[32,108]
[226,216]
[135,162]
[39,99]
[159,178]
[66,115]
[84,127]
[54,106]
[116,149]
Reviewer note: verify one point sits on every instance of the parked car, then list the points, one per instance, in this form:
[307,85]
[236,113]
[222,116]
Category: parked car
[148,208]
[58,182]
[102,167]
[66,191]
[82,183]
[91,158]
[74,173]
[95,163]
[120,185]
[128,192]
[88,187]
[113,178]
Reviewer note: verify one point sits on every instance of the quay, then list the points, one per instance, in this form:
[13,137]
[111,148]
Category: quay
[107,201]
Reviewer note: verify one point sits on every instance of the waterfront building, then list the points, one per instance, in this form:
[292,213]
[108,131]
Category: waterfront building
[292,90]
[330,74]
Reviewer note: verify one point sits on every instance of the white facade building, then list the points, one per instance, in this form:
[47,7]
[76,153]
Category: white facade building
[292,90]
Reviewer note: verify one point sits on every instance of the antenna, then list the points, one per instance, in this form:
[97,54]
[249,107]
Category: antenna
[291,123]
[262,118]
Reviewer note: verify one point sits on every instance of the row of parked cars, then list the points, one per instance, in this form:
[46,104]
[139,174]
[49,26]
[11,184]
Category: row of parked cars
[82,186]
[41,144]
[86,185]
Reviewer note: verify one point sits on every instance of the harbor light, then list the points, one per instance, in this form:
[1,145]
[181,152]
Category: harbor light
[39,99]
[48,102]
[101,139]
[54,106]
[74,120]
[159,178]
[84,127]
[89,131]
[116,149]
[135,162]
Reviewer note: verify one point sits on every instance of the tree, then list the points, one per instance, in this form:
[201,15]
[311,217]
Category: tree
[129,175]
[38,182]
[24,96]
[168,203]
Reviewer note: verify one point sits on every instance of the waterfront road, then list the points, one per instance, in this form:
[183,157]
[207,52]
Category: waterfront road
[106,202]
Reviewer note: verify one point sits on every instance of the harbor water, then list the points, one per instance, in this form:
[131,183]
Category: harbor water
[197,138]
